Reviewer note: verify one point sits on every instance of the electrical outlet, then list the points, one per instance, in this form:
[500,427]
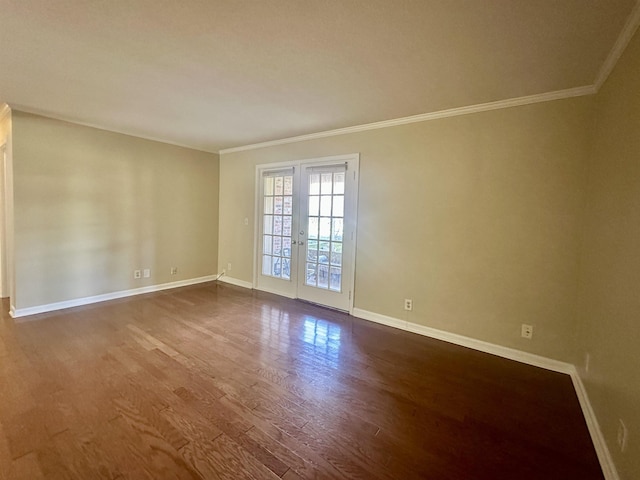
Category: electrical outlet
[229,267]
[408,304]
[174,270]
[622,435]
[146,273]
[527,331]
[137,274]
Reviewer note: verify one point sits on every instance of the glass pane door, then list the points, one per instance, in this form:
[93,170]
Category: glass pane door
[326,235]
[277,265]
[277,218]
[306,219]
[325,225]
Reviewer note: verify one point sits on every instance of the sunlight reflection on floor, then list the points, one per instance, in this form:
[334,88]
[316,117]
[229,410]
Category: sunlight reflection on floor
[323,335]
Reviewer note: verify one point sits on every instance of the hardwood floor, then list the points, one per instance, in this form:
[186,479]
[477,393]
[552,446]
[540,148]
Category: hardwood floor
[215,381]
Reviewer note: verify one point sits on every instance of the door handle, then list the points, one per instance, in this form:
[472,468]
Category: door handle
[293,242]
[300,243]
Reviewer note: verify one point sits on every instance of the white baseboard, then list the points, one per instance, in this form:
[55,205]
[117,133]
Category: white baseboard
[599,443]
[480,345]
[23,312]
[604,456]
[235,281]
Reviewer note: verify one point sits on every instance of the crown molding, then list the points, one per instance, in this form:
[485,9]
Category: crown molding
[633,22]
[630,27]
[627,33]
[452,112]
[41,113]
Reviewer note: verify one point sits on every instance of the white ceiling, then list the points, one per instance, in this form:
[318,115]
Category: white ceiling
[214,74]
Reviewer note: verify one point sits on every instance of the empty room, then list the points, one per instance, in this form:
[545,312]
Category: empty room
[335,239]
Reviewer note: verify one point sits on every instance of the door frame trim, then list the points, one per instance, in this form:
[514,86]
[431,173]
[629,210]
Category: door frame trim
[354,165]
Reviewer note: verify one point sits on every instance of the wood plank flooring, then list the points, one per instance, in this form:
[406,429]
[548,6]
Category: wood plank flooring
[219,382]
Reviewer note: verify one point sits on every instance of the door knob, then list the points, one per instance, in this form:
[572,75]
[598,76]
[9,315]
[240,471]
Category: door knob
[293,242]
[300,243]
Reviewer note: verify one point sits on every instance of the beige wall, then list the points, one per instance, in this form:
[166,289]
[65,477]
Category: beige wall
[474,217]
[6,203]
[91,206]
[609,313]
[487,221]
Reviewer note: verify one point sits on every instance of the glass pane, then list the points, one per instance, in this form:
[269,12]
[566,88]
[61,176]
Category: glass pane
[313,228]
[336,258]
[272,245]
[277,225]
[335,279]
[288,185]
[266,244]
[286,226]
[277,266]
[323,257]
[286,268]
[325,228]
[277,245]
[338,206]
[336,247]
[338,183]
[311,274]
[323,276]
[268,224]
[336,231]
[288,205]
[314,184]
[325,206]
[268,185]
[278,185]
[266,264]
[327,180]
[314,205]
[286,247]
[312,252]
[278,206]
[324,246]
[268,204]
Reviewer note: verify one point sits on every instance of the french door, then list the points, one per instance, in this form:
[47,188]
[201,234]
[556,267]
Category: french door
[306,230]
